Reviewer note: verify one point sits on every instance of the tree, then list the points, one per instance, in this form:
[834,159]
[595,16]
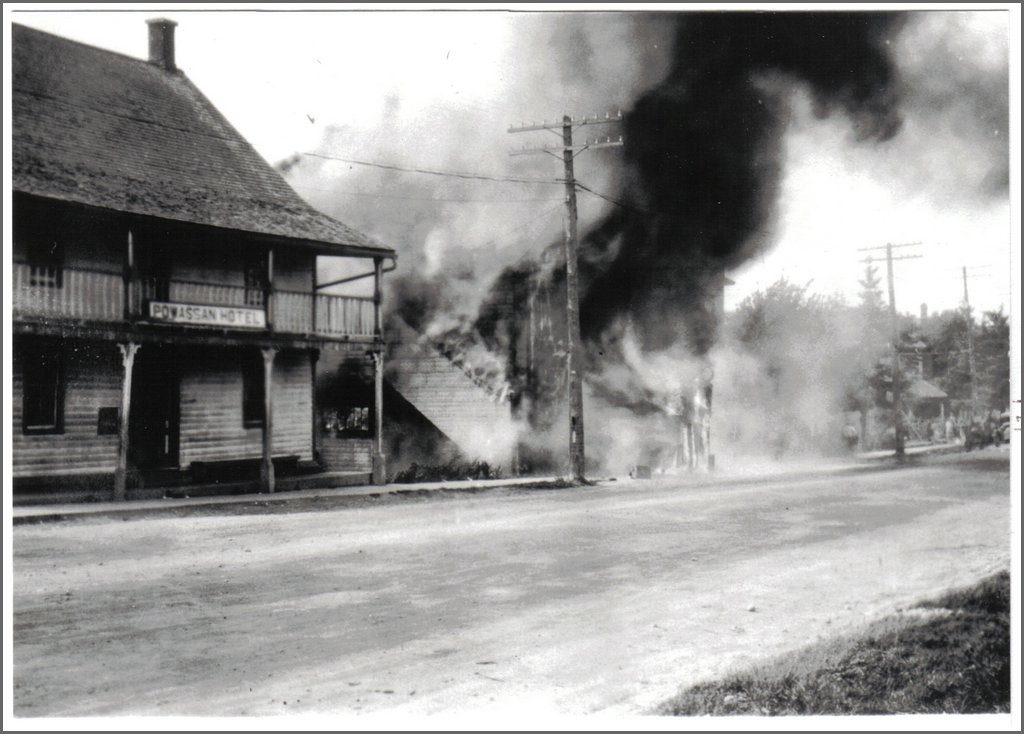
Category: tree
[872,309]
[951,361]
[992,361]
[806,367]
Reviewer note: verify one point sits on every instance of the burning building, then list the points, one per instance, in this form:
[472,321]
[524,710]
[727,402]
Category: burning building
[691,196]
[696,195]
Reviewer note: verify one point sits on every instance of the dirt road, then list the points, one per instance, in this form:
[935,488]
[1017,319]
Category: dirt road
[592,600]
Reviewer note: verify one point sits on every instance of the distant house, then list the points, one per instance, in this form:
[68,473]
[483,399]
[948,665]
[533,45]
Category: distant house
[167,317]
[925,400]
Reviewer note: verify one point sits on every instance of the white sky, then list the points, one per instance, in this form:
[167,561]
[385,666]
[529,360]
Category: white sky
[284,78]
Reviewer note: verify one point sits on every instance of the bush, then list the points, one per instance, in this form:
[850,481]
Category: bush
[454,469]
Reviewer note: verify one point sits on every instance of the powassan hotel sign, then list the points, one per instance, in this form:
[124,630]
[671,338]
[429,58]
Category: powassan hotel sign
[193,314]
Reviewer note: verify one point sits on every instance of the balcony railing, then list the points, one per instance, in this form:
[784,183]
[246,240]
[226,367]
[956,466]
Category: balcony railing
[92,295]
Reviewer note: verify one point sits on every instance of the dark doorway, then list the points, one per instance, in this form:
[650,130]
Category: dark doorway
[154,422]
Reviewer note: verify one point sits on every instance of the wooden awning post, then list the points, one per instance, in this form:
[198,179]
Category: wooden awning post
[121,472]
[379,464]
[128,277]
[267,481]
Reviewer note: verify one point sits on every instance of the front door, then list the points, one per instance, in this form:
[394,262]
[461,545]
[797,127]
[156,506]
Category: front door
[155,409]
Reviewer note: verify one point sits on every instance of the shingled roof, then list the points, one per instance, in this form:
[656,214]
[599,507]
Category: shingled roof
[95,127]
[923,390]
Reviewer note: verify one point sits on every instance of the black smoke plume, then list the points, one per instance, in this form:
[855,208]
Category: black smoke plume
[704,151]
[696,197]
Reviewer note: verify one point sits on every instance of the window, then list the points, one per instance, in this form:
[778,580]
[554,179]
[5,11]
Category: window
[252,391]
[42,406]
[155,268]
[349,421]
[46,263]
[255,279]
[346,409]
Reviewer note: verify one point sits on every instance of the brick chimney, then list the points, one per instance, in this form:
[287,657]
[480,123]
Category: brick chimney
[161,43]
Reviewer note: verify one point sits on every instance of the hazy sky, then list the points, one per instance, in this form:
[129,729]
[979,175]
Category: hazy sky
[439,89]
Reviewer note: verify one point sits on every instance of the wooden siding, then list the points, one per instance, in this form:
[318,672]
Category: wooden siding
[346,454]
[211,409]
[93,381]
[211,413]
[478,422]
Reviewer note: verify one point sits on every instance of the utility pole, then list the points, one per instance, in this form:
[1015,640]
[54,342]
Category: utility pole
[897,376]
[574,366]
[969,323]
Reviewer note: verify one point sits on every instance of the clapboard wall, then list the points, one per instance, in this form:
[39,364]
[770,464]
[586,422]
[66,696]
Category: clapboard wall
[211,411]
[92,381]
[479,423]
[346,454]
[211,408]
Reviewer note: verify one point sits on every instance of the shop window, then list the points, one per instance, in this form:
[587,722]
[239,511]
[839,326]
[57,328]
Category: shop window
[252,392]
[42,407]
[352,421]
[347,411]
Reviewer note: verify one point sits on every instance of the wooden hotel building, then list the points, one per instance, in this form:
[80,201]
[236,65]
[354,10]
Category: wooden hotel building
[166,312]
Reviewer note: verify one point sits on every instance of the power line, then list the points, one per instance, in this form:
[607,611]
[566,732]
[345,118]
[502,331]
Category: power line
[422,198]
[432,172]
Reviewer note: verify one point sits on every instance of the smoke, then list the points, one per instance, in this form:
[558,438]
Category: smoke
[710,99]
[705,148]
[455,235]
[955,85]
[787,368]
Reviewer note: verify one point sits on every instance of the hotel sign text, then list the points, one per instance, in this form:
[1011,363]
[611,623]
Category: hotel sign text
[227,317]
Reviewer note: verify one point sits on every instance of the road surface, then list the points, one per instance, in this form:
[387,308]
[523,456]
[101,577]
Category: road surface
[599,600]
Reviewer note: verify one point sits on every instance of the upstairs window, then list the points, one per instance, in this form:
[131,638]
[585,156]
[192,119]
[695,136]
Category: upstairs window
[46,263]
[252,391]
[42,402]
[255,279]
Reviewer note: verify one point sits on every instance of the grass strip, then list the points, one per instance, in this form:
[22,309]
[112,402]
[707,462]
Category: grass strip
[945,655]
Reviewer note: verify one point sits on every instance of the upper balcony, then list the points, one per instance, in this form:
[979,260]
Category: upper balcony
[87,295]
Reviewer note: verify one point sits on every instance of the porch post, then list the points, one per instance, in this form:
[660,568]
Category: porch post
[129,276]
[268,292]
[378,463]
[379,466]
[378,297]
[314,357]
[121,472]
[267,481]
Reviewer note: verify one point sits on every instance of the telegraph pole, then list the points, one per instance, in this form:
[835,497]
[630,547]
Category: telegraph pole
[897,376]
[969,323]
[574,365]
